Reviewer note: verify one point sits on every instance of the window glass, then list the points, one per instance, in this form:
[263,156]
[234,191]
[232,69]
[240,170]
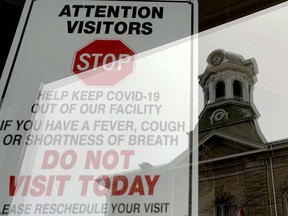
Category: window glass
[220,89]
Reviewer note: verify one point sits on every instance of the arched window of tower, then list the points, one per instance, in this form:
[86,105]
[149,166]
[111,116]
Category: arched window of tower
[237,90]
[220,90]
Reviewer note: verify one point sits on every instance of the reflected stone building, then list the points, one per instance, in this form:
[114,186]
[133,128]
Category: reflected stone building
[239,172]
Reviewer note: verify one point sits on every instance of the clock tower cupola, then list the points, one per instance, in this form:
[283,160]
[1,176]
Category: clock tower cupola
[228,84]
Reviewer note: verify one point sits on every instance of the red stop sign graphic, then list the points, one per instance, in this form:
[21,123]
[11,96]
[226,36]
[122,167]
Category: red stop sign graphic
[103,62]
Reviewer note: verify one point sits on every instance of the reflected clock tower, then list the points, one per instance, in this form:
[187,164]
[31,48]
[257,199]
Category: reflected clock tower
[228,84]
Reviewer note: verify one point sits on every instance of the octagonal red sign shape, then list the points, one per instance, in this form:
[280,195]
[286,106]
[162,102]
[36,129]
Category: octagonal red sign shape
[103,62]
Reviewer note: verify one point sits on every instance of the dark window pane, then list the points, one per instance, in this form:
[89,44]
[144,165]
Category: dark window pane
[237,88]
[220,89]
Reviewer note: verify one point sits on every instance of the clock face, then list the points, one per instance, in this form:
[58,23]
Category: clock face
[217,59]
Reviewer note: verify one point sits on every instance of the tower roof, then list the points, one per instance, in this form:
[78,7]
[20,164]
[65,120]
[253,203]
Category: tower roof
[221,60]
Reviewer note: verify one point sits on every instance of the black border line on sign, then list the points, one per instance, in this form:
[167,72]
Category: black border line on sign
[16,54]
[190,140]
[194,30]
[167,1]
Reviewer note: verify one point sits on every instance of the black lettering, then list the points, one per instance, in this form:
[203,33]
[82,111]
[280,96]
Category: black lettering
[113,11]
[89,27]
[5,209]
[88,9]
[147,206]
[72,26]
[80,29]
[100,11]
[156,207]
[125,10]
[65,11]
[5,123]
[120,28]
[77,8]
[144,12]
[108,25]
[29,140]
[134,26]
[157,12]
[11,139]
[134,12]
[17,139]
[147,28]
[98,27]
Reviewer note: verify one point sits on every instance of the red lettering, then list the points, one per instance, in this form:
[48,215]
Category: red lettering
[151,184]
[137,186]
[119,191]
